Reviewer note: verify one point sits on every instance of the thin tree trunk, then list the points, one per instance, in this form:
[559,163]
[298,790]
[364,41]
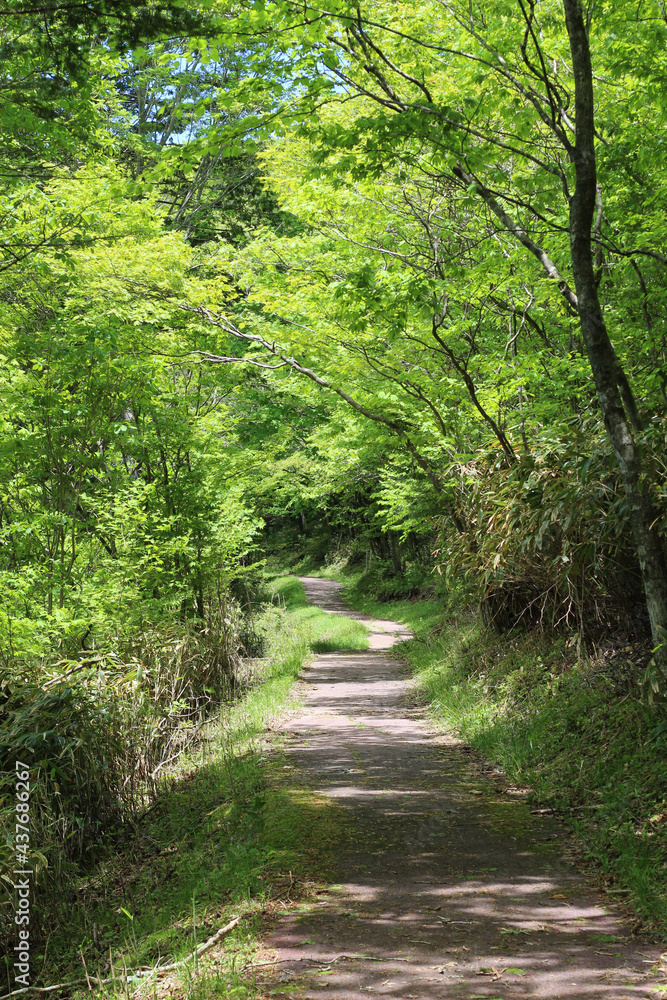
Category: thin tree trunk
[610,381]
[395,554]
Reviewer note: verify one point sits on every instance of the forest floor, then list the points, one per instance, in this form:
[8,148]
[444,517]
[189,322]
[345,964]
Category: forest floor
[447,884]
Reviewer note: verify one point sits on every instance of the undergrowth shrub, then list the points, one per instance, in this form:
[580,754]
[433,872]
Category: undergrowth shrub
[383,582]
[97,733]
[246,839]
[548,541]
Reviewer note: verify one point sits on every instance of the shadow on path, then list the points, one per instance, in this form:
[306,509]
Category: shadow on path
[447,888]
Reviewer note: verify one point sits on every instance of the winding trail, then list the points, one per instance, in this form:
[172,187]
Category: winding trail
[449,886]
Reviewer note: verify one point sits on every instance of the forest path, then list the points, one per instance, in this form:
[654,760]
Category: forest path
[449,887]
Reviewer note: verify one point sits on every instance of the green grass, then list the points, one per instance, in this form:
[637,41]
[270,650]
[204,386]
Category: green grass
[573,730]
[232,834]
[325,632]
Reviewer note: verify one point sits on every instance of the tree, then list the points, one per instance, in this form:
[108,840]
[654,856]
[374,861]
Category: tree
[114,509]
[502,98]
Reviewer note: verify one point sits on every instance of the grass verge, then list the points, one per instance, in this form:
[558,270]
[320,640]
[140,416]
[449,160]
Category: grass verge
[572,728]
[324,632]
[230,835]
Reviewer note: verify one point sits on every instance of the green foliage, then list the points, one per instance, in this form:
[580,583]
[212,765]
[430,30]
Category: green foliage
[225,835]
[260,292]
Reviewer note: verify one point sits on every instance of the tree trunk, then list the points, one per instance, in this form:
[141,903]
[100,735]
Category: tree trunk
[610,381]
[395,554]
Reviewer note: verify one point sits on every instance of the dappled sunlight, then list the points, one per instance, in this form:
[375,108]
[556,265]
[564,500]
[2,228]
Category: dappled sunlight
[448,885]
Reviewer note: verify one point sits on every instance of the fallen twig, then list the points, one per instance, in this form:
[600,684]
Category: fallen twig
[218,936]
[48,989]
[261,965]
[131,977]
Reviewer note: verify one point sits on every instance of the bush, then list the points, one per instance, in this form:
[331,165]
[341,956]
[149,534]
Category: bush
[548,542]
[97,734]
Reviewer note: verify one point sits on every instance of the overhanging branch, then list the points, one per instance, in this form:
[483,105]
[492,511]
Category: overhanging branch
[399,427]
[513,227]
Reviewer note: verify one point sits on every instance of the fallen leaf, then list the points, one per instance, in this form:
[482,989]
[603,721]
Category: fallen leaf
[494,973]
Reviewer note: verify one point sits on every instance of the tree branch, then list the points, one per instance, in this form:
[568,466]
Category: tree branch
[516,230]
[399,427]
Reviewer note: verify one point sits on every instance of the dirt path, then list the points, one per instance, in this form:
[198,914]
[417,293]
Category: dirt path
[449,887]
